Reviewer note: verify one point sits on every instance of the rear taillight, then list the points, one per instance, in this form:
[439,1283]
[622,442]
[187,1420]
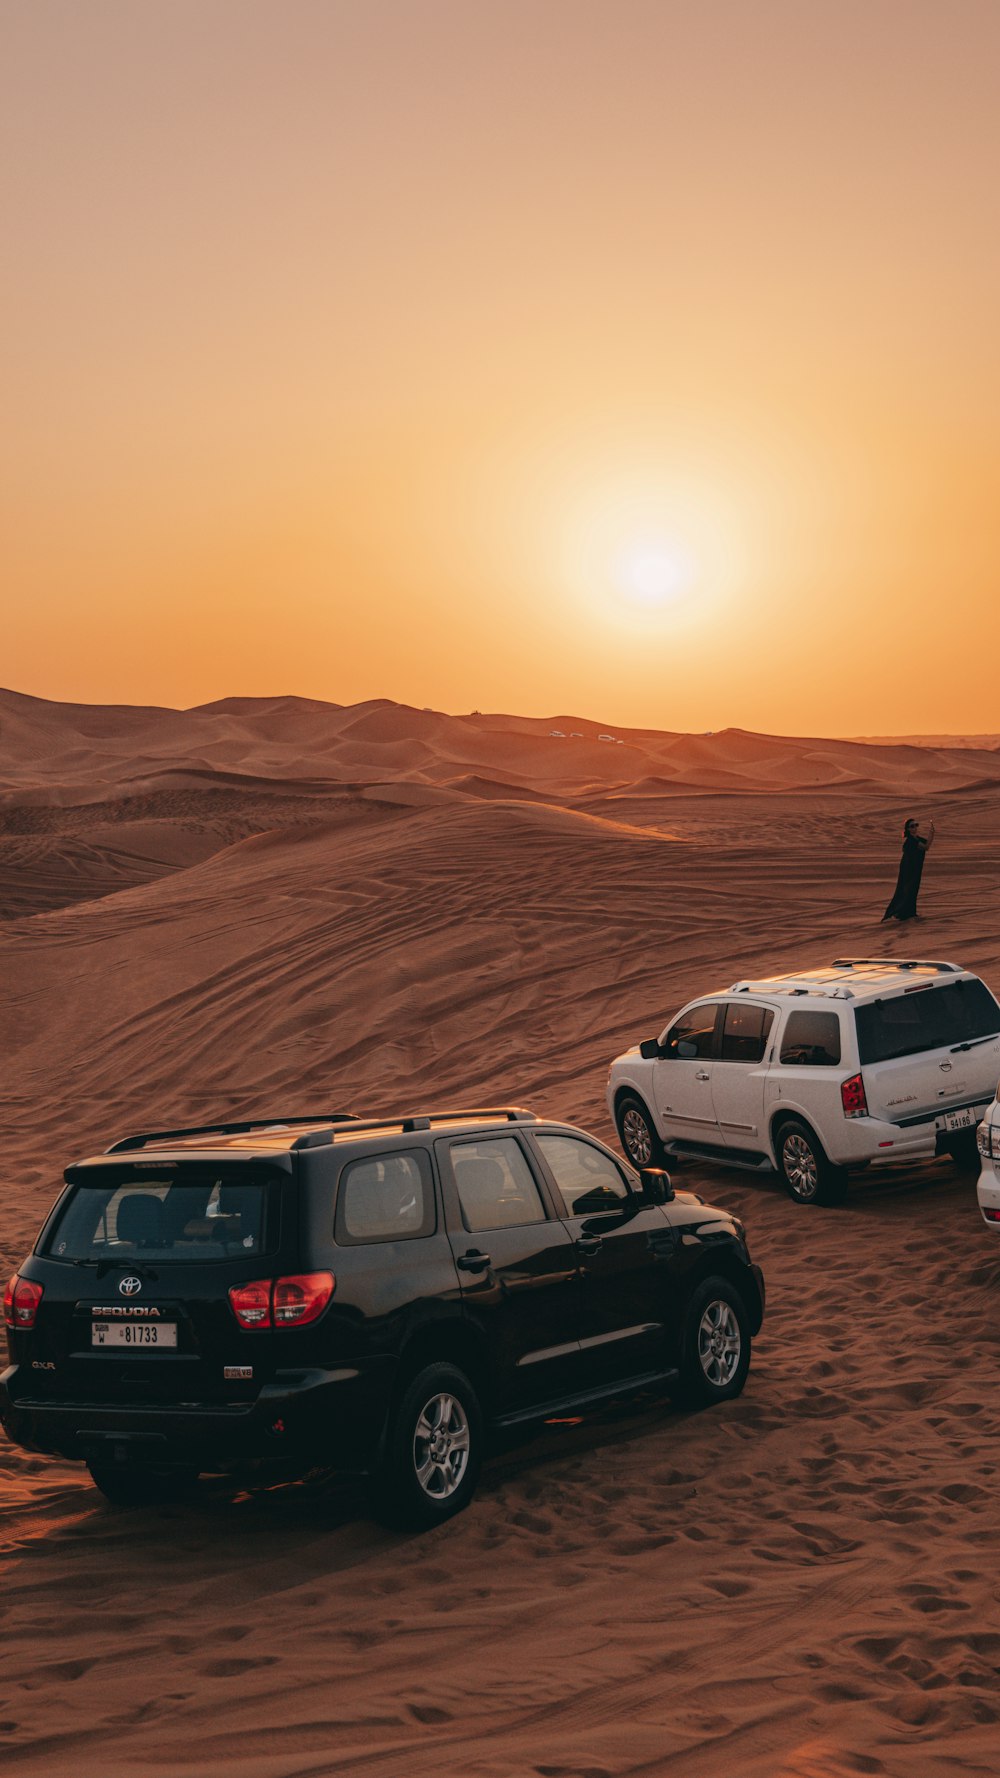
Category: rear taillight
[852,1093]
[251,1303]
[20,1302]
[301,1299]
[282,1302]
[991,1215]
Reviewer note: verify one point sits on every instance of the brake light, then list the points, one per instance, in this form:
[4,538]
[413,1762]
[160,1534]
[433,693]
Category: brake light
[302,1299]
[852,1093]
[282,1302]
[20,1302]
[992,1215]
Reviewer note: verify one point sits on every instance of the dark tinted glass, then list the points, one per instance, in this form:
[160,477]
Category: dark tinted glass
[930,1019]
[694,1029]
[588,1180]
[160,1219]
[745,1033]
[389,1197]
[495,1187]
[811,1039]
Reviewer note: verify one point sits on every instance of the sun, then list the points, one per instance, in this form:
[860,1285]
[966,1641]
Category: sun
[652,576]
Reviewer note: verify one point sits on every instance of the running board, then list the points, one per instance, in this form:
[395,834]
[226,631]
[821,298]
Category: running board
[745,1158]
[587,1398]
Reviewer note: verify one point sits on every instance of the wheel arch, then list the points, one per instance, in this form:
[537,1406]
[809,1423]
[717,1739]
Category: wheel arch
[452,1341]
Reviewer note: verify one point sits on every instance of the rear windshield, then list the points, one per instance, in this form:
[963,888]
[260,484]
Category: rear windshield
[129,1220]
[928,1019]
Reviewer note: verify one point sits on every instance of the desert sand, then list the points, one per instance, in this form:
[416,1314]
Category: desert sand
[275,906]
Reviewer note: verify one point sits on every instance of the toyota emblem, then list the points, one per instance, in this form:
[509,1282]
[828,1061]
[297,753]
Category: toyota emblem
[130,1286]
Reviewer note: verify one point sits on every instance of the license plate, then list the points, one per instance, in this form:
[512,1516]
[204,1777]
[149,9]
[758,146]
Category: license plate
[133,1334]
[960,1120]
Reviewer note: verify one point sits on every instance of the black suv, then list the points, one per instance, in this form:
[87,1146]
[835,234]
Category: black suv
[367,1296]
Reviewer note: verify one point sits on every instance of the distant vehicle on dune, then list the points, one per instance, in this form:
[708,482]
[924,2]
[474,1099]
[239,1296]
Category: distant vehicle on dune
[862,1062]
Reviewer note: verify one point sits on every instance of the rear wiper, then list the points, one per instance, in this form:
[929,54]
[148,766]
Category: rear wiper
[974,1042]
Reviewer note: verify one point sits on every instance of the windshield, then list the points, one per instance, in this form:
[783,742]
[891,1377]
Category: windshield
[134,1219]
[929,1019]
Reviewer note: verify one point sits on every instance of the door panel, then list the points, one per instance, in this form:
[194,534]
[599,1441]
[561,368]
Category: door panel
[739,1074]
[518,1268]
[622,1244]
[682,1078]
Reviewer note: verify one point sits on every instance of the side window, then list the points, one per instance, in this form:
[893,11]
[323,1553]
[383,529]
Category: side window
[495,1187]
[811,1039]
[693,1033]
[745,1032]
[387,1198]
[588,1180]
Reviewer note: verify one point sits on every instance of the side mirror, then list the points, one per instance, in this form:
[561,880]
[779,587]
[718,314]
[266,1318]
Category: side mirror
[656,1186]
[650,1048]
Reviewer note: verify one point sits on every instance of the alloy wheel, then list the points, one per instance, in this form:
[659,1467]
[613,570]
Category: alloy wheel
[441,1446]
[720,1343]
[637,1138]
[801,1169]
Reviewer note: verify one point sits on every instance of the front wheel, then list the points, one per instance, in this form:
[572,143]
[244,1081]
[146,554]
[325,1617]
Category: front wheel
[716,1350]
[637,1133]
[433,1452]
[803,1164]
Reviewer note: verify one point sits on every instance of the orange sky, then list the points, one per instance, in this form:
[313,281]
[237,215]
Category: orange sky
[613,356]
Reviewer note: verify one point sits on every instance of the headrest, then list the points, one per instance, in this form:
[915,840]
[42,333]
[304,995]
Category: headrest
[479,1173]
[140,1220]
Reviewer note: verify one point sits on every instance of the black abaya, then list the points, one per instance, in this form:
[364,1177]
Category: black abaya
[903,905]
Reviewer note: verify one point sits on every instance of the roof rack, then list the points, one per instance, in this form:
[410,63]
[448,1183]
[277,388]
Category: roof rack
[320,1128]
[897,963]
[512,1114]
[143,1137]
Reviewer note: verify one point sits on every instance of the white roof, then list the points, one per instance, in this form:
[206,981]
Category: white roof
[853,978]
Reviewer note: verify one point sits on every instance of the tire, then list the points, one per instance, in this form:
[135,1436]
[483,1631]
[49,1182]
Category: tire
[130,1484]
[810,1178]
[414,1489]
[715,1354]
[637,1133]
[964,1151]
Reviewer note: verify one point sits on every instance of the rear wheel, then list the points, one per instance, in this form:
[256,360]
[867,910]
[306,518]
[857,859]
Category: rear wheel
[802,1162]
[964,1150]
[434,1450]
[637,1133]
[716,1352]
[130,1484]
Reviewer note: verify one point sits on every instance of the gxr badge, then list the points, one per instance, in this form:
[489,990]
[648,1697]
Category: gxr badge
[130,1286]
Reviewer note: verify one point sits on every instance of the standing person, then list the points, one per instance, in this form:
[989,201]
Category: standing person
[903,905]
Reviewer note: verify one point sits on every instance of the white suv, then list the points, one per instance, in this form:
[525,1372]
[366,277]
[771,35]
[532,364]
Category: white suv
[988,1189]
[861,1061]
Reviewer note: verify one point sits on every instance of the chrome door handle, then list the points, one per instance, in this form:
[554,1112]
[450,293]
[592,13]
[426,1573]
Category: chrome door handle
[589,1243]
[473,1261]
[701,1075]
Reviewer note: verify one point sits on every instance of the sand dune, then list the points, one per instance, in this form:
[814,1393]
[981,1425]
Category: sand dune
[309,905]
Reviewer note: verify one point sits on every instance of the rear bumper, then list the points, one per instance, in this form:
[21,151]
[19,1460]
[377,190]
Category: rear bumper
[880,1143]
[305,1418]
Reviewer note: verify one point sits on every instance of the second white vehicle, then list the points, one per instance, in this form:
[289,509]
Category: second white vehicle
[864,1061]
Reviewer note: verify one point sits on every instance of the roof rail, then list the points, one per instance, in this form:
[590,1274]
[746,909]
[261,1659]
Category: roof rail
[422,1120]
[243,1127]
[898,963]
